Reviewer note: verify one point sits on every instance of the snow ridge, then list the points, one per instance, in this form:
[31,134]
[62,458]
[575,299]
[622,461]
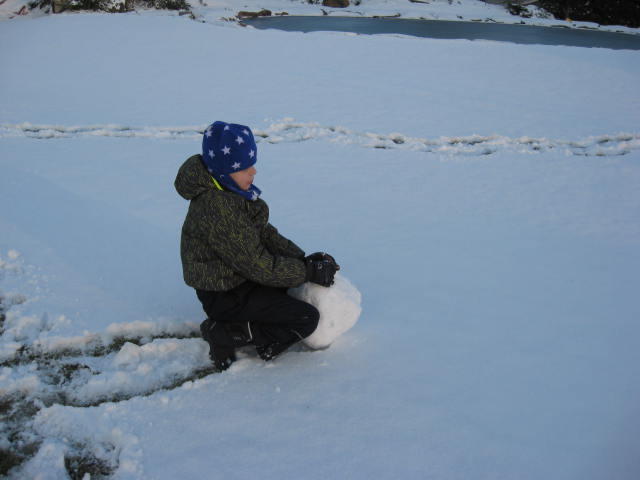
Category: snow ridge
[41,374]
[36,388]
[41,369]
[288,131]
[45,374]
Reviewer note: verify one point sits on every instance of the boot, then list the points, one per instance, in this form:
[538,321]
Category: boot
[221,347]
[271,351]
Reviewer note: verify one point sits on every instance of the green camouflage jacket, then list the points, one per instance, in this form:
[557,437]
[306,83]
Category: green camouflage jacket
[227,239]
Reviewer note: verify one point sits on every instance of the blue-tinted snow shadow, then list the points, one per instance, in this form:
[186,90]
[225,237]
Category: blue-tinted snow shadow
[520,334]
[130,260]
[499,304]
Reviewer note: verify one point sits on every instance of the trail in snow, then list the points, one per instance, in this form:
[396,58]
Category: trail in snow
[288,130]
[140,359]
[125,360]
[39,368]
[30,384]
[38,371]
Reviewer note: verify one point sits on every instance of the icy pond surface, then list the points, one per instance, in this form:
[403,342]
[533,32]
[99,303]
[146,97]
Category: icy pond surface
[502,32]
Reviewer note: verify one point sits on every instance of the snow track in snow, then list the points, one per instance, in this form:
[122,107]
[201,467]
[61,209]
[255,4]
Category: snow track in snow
[46,372]
[35,381]
[42,369]
[130,368]
[288,131]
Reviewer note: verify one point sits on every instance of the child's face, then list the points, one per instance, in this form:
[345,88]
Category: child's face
[244,178]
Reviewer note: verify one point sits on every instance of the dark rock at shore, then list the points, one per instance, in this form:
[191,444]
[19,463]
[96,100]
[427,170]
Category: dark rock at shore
[335,3]
[611,12]
[261,13]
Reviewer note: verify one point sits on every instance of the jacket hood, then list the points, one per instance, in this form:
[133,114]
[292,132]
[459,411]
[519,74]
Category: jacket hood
[193,178]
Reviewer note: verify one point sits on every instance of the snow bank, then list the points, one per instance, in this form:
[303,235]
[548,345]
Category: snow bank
[137,369]
[47,464]
[339,308]
[105,441]
[22,379]
[158,327]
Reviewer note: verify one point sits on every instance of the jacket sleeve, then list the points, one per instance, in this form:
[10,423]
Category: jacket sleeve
[280,245]
[239,245]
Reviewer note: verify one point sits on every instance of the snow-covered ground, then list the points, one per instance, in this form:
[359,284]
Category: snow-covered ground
[483,197]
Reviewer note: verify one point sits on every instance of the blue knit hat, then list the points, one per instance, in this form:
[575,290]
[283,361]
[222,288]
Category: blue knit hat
[228,148]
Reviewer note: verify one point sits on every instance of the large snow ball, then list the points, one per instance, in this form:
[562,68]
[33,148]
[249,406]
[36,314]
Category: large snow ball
[339,307]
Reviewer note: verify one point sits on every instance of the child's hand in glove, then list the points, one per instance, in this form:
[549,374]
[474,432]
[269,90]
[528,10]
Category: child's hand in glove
[321,268]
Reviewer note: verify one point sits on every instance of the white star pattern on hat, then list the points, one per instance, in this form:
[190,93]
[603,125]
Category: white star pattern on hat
[226,127]
[246,132]
[211,153]
[236,165]
[251,154]
[226,150]
[239,140]
[208,132]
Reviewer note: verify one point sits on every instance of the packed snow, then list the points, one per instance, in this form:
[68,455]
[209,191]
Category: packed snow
[288,130]
[339,308]
[482,199]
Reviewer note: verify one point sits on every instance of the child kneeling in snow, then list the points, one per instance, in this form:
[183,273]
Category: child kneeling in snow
[239,264]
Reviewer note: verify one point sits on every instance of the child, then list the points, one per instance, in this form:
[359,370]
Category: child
[238,263]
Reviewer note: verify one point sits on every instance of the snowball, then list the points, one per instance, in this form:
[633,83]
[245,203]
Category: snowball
[339,307]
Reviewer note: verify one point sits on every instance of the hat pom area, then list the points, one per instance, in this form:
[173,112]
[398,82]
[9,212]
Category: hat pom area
[228,148]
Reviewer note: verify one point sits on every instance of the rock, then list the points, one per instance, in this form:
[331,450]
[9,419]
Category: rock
[335,3]
[261,13]
[59,6]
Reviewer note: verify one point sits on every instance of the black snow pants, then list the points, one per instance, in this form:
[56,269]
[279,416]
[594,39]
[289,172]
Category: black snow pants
[268,314]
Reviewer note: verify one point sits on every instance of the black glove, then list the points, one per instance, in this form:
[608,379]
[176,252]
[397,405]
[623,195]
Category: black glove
[321,268]
[323,256]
